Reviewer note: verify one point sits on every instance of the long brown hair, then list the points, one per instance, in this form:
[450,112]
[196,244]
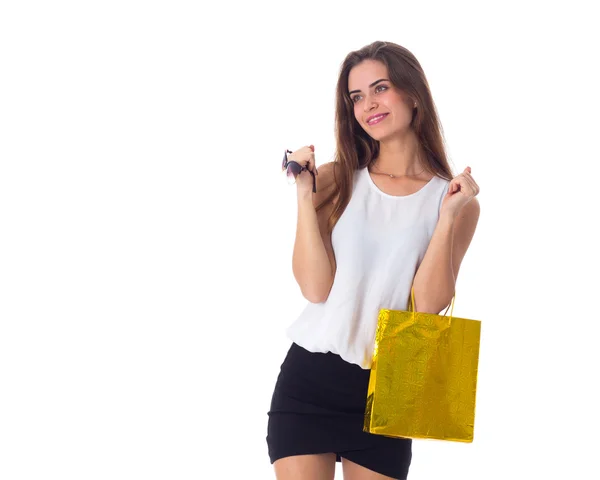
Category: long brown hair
[355,148]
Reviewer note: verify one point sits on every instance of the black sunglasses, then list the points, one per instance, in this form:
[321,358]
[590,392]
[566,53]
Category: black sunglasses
[294,169]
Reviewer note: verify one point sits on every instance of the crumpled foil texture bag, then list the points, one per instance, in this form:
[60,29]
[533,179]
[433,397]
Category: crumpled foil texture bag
[423,377]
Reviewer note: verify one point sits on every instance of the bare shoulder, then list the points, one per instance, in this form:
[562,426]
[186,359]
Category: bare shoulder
[464,230]
[466,222]
[326,174]
[470,212]
[325,181]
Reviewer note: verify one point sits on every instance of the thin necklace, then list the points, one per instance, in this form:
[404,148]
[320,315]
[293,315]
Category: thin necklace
[402,175]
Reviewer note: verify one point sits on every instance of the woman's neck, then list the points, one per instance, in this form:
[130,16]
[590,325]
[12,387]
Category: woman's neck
[400,156]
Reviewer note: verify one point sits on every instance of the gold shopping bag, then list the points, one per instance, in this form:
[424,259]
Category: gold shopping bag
[423,377]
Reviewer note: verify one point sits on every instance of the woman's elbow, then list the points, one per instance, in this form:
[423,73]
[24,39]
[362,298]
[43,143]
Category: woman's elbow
[316,294]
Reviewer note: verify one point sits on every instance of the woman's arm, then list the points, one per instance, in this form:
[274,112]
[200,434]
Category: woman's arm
[435,279]
[313,261]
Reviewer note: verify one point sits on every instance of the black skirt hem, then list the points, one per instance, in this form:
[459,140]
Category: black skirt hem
[318,407]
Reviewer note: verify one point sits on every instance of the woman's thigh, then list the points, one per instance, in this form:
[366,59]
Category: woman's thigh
[354,471]
[306,467]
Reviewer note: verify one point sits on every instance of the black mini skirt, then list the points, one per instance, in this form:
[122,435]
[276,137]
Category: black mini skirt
[318,406]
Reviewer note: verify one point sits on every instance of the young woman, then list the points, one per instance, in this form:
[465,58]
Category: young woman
[387,215]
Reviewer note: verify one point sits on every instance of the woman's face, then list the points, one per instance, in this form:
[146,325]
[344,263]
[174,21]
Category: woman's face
[372,93]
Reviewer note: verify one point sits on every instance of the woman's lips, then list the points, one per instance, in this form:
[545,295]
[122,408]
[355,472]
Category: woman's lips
[377,120]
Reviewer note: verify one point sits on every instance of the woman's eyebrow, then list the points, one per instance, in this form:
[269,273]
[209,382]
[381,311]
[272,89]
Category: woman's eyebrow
[372,85]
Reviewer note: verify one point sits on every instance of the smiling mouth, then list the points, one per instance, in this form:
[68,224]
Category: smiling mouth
[377,119]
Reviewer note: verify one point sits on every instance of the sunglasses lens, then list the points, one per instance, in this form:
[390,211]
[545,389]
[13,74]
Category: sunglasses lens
[293,170]
[283,164]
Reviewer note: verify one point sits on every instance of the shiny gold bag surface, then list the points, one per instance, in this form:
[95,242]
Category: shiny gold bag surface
[423,377]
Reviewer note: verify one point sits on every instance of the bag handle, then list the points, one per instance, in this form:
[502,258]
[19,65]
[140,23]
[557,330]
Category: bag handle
[412,302]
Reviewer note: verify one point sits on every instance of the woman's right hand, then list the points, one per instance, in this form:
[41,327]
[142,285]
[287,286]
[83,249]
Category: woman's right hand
[304,156]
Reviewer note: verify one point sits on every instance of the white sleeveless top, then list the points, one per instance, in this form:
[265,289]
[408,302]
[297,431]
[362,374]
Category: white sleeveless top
[379,243]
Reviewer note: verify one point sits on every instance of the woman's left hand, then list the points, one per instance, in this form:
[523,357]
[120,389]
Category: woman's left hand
[462,190]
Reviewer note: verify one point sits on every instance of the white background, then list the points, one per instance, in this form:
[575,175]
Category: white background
[146,231]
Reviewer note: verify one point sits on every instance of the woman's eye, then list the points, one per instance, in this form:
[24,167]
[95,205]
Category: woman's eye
[354,99]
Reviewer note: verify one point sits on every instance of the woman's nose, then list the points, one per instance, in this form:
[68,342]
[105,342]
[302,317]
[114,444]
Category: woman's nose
[369,105]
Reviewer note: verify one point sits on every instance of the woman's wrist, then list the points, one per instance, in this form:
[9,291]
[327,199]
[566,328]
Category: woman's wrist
[305,196]
[447,219]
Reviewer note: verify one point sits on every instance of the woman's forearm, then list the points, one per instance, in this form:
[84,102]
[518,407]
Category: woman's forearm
[434,281]
[310,263]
